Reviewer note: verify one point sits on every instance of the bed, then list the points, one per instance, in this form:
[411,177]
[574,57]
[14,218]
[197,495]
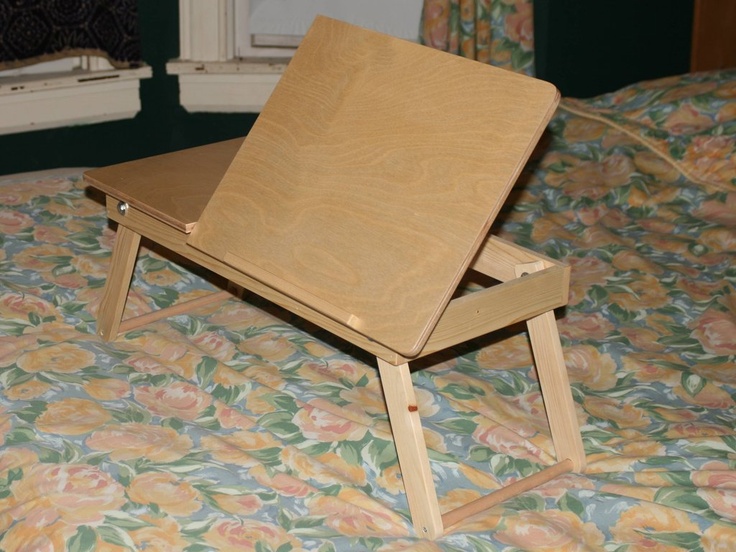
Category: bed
[241,427]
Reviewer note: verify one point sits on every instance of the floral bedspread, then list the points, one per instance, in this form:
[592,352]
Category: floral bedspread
[240,427]
[688,120]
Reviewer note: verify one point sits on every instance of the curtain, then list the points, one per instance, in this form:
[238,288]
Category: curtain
[32,31]
[499,32]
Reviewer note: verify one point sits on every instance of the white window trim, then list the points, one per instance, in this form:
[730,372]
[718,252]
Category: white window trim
[211,78]
[92,93]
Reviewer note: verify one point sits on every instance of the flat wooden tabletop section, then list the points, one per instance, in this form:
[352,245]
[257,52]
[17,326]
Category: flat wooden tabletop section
[174,187]
[371,178]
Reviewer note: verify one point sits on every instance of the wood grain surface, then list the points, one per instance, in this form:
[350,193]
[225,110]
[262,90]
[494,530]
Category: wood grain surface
[173,187]
[372,176]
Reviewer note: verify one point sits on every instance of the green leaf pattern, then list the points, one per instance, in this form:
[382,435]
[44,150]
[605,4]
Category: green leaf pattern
[242,426]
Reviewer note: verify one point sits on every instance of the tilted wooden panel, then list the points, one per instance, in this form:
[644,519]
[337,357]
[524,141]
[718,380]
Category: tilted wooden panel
[371,178]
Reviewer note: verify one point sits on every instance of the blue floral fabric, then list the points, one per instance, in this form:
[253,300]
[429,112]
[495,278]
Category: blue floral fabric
[239,426]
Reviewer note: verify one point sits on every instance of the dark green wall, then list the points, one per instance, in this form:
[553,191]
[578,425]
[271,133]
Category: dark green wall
[161,126]
[588,47]
[585,47]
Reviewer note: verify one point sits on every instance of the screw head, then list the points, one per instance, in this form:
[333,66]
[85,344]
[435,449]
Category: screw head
[122,207]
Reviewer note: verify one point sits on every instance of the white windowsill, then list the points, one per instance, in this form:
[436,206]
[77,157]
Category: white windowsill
[226,86]
[50,100]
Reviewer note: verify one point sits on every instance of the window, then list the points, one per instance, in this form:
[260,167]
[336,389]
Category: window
[271,24]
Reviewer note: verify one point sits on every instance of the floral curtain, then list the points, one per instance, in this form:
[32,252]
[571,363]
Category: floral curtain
[32,31]
[499,32]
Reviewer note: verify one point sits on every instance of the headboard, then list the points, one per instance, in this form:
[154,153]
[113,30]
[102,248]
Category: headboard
[714,39]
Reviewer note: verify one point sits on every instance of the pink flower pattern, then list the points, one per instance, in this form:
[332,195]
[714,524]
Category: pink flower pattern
[239,427]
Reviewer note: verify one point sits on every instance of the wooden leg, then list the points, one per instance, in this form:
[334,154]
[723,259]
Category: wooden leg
[555,387]
[124,255]
[554,384]
[411,448]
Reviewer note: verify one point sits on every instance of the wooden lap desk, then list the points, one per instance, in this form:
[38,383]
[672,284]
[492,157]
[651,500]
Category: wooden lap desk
[359,199]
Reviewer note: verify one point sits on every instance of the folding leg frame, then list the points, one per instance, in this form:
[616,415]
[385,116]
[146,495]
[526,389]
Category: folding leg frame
[411,447]
[532,286]
[110,315]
